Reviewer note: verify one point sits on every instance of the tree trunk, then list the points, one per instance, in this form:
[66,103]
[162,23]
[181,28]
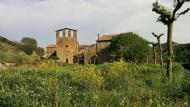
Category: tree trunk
[161,59]
[170,51]
[154,50]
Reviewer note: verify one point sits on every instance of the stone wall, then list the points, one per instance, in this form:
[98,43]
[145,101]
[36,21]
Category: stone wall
[89,53]
[103,51]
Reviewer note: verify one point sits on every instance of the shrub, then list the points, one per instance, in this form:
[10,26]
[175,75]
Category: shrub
[87,77]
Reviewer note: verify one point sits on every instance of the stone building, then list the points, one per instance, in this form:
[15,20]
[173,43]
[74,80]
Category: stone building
[68,50]
[103,42]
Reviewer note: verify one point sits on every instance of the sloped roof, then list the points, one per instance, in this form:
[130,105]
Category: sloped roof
[81,47]
[50,54]
[51,46]
[105,38]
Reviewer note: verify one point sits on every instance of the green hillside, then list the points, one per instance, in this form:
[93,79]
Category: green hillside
[181,53]
[11,52]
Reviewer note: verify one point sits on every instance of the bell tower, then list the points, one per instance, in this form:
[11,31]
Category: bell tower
[66,45]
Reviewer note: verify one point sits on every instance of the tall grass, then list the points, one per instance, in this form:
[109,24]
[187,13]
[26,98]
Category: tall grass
[117,84]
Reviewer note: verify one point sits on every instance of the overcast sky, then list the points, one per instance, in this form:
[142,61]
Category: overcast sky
[40,18]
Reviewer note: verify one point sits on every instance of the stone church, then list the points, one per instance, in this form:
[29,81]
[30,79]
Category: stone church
[67,48]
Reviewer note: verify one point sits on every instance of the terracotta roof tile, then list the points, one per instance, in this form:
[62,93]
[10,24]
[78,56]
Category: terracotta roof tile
[81,47]
[105,38]
[51,46]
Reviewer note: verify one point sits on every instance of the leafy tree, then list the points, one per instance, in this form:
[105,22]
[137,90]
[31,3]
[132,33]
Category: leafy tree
[40,51]
[167,17]
[30,44]
[129,46]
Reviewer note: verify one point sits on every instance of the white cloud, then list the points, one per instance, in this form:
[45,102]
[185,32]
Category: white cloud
[40,18]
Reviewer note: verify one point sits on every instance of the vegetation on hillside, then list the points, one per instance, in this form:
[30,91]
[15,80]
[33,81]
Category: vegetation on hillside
[11,52]
[181,54]
[19,53]
[117,84]
[31,45]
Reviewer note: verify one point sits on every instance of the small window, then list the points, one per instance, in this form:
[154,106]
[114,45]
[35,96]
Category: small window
[67,46]
[67,61]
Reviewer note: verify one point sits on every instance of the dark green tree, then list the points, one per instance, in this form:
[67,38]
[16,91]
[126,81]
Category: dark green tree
[167,17]
[129,46]
[40,51]
[30,44]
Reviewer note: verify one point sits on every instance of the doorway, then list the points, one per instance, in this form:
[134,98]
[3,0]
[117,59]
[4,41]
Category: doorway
[67,60]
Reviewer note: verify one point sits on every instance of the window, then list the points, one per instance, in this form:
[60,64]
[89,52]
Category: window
[67,46]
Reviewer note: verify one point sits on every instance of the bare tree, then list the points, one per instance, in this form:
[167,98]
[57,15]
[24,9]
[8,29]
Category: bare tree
[167,17]
[154,45]
[160,47]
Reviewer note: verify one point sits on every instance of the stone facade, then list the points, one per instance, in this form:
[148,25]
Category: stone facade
[68,50]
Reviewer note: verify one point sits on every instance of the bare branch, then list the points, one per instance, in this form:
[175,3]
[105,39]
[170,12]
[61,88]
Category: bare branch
[154,34]
[158,36]
[177,7]
[161,35]
[183,12]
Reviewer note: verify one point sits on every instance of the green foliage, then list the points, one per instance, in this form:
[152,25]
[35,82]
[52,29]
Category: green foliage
[117,84]
[40,51]
[129,46]
[164,12]
[30,44]
[182,53]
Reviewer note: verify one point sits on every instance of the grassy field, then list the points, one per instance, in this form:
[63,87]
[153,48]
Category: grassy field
[117,84]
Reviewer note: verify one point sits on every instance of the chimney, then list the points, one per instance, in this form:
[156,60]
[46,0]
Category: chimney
[98,36]
[75,34]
